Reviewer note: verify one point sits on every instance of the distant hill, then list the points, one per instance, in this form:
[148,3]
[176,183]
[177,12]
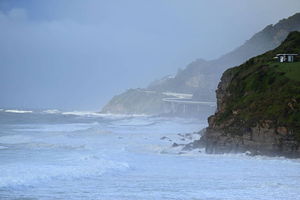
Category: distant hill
[136,101]
[201,77]
[259,106]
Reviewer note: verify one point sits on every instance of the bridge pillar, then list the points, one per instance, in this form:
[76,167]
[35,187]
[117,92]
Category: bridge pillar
[173,107]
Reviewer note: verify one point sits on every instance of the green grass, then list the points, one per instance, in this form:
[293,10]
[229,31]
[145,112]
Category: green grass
[290,70]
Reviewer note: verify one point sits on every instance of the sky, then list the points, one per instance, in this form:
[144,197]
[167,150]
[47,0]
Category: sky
[77,54]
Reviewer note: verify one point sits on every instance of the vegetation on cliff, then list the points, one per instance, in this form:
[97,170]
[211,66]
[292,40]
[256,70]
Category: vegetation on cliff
[262,89]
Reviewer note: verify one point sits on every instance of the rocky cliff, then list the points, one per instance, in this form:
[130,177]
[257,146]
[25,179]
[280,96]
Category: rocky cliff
[258,106]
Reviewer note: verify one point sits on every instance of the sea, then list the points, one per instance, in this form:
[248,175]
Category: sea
[56,155]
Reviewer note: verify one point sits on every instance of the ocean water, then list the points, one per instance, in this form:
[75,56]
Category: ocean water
[51,155]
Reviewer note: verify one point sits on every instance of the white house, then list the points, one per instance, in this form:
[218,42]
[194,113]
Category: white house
[285,57]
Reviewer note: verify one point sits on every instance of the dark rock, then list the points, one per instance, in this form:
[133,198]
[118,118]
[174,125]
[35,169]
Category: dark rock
[165,138]
[194,145]
[177,145]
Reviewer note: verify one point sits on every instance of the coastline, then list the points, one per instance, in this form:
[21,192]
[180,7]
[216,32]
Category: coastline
[218,142]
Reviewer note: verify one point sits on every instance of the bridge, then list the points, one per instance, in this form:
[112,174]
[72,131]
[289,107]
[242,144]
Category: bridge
[183,103]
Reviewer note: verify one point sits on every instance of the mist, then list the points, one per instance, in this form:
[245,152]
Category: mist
[77,55]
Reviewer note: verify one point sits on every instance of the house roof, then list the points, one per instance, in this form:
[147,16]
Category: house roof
[287,54]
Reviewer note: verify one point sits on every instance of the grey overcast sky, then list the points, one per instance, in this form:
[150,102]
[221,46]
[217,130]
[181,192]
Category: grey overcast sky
[77,54]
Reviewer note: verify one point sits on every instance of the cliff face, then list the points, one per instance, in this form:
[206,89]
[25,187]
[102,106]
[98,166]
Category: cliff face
[200,77]
[258,106]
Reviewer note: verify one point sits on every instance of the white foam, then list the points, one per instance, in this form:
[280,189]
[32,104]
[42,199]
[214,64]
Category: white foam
[27,174]
[106,115]
[55,111]
[2,147]
[55,127]
[19,111]
[123,115]
[15,139]
[81,113]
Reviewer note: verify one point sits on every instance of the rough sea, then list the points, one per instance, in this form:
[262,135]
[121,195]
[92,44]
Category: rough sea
[54,155]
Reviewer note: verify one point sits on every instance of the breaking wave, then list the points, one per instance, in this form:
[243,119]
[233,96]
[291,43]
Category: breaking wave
[28,174]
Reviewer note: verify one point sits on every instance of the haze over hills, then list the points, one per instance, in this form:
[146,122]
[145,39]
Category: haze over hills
[200,78]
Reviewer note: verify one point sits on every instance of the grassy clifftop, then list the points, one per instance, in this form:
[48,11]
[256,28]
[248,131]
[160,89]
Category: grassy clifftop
[263,89]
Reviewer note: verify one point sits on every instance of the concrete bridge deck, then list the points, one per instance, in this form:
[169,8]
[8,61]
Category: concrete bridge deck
[188,101]
[182,98]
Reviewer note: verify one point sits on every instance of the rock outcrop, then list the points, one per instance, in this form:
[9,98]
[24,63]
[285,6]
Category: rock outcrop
[258,106]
